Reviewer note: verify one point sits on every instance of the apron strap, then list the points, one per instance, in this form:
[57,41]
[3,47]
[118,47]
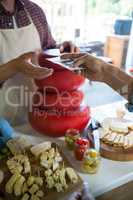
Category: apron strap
[28,15]
[14,22]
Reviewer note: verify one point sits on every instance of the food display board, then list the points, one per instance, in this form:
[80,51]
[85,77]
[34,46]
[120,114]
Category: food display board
[37,168]
[116,153]
[116,139]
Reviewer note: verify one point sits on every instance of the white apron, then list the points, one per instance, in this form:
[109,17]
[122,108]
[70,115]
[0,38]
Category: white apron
[129,60]
[13,43]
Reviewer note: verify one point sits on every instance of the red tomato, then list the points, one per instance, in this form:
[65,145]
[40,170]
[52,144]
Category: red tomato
[82,142]
[56,123]
[61,81]
[81,145]
[72,132]
[62,100]
[79,153]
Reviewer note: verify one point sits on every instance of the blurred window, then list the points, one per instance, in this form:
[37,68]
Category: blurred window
[84,20]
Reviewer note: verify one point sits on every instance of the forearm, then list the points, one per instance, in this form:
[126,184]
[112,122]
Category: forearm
[7,70]
[118,80]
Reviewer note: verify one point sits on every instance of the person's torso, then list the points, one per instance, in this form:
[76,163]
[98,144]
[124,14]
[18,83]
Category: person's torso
[13,43]
[22,20]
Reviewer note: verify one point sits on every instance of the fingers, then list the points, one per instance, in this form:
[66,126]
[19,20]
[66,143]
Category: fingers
[31,56]
[80,61]
[68,46]
[35,58]
[75,196]
[71,55]
[77,50]
[37,72]
[28,65]
[28,55]
[40,74]
[61,49]
[43,74]
[86,195]
[72,48]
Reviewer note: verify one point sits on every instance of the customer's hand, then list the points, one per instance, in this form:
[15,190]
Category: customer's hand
[94,66]
[24,65]
[69,47]
[83,195]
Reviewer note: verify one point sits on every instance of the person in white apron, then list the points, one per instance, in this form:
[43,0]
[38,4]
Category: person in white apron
[13,43]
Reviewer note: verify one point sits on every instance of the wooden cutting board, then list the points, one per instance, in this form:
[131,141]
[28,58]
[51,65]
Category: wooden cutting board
[116,153]
[49,194]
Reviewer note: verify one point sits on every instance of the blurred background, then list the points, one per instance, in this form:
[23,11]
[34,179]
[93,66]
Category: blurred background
[100,26]
[90,19]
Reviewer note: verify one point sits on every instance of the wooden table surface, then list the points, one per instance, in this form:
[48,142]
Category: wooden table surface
[124,192]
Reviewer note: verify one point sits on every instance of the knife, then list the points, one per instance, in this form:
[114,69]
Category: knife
[66,63]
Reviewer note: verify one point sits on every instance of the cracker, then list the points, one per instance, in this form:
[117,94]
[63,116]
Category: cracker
[106,137]
[121,141]
[130,138]
[126,142]
[112,137]
[116,141]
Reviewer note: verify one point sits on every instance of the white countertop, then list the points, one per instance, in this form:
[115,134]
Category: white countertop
[111,174]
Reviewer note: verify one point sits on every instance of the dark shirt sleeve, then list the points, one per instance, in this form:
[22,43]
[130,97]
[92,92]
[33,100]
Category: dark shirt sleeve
[49,42]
